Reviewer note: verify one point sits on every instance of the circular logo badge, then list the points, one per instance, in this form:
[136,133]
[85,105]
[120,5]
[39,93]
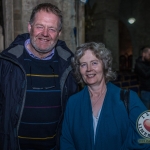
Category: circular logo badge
[143,124]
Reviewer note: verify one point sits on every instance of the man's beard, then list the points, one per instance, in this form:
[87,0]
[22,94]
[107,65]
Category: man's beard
[147,60]
[42,50]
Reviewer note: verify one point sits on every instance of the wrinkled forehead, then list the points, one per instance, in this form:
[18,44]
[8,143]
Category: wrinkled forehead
[147,53]
[87,52]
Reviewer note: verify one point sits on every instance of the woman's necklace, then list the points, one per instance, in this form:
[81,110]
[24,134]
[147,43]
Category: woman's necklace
[97,103]
[99,98]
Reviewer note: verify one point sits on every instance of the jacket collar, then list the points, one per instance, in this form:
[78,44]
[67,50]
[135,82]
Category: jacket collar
[16,48]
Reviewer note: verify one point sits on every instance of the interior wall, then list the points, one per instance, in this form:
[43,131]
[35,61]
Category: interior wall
[1,14]
[133,36]
[139,31]
[17,13]
[101,25]
[97,22]
[8,19]
[1,27]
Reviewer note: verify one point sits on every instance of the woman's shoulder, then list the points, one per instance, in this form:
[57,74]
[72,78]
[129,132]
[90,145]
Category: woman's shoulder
[115,94]
[76,98]
[113,88]
[79,94]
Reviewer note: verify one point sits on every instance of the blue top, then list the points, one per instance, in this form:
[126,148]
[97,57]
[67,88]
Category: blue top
[115,130]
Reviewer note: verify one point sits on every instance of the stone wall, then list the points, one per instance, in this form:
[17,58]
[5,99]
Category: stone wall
[100,23]
[69,14]
[8,21]
[17,14]
[1,39]
[102,26]
[139,32]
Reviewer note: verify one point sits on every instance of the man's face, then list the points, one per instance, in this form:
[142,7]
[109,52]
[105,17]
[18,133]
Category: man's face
[146,56]
[44,32]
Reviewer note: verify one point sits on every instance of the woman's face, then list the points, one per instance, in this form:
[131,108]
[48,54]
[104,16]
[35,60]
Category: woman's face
[91,69]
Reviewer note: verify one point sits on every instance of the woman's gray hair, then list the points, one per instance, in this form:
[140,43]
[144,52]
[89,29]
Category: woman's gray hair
[101,52]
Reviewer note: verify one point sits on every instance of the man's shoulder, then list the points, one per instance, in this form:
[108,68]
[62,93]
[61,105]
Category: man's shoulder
[13,52]
[17,46]
[142,64]
[63,51]
[139,63]
[20,39]
[139,60]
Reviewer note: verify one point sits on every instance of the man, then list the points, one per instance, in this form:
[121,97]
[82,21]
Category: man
[35,83]
[142,68]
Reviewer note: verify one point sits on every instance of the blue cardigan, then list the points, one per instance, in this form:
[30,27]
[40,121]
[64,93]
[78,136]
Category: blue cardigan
[115,130]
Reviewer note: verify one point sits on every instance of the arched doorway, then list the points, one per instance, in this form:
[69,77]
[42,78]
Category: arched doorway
[125,48]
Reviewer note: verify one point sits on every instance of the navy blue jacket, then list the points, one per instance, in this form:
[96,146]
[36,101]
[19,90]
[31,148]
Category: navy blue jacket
[142,69]
[13,85]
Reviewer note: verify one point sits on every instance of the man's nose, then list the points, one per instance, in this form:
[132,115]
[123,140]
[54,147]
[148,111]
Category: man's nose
[45,32]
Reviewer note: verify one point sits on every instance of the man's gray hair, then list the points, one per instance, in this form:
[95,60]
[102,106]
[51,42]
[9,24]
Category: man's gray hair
[47,7]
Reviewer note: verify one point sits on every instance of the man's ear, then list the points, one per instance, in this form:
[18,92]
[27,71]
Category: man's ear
[59,33]
[143,56]
[29,27]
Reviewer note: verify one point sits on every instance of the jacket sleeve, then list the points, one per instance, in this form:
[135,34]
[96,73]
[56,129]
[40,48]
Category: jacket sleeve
[72,85]
[142,70]
[132,139]
[66,141]
[0,94]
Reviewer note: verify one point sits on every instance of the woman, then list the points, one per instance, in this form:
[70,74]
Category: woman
[96,118]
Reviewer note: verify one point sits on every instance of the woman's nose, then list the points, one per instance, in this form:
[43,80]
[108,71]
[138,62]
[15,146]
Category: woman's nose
[88,67]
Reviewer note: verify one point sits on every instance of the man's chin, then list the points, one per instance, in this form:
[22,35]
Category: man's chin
[147,61]
[43,51]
